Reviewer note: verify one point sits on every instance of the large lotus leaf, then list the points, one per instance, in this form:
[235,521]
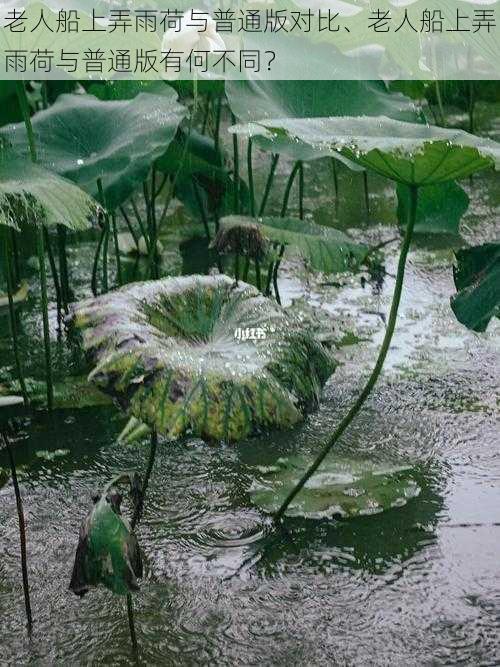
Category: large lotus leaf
[404,152]
[440,207]
[127,90]
[344,488]
[477,279]
[32,194]
[86,139]
[322,248]
[203,356]
[256,100]
[107,551]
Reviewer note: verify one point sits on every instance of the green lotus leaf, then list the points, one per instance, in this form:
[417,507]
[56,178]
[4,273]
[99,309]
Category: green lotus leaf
[85,139]
[439,209]
[404,152]
[107,551]
[258,100]
[342,487]
[477,279]
[31,194]
[200,355]
[322,248]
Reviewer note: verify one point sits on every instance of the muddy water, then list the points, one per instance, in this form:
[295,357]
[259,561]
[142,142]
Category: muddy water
[414,585]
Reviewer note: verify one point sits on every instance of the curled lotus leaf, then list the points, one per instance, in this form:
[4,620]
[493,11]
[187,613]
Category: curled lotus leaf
[204,356]
[243,238]
[107,552]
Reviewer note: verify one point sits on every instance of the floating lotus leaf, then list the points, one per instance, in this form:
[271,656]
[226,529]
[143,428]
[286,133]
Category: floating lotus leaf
[477,279]
[86,139]
[31,194]
[107,551]
[203,356]
[322,248]
[404,152]
[344,488]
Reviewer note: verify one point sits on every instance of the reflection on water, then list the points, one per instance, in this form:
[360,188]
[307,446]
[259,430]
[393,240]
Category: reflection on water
[414,585]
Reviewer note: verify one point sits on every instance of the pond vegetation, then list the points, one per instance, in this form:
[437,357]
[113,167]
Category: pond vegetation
[187,276]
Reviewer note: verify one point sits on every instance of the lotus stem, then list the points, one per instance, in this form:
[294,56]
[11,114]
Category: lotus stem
[139,221]
[201,208]
[472,102]
[250,177]
[246,269]
[135,519]
[258,278]
[22,533]
[55,277]
[45,316]
[367,193]
[63,265]
[93,281]
[391,324]
[117,250]
[236,167]
[25,110]
[15,253]
[206,113]
[269,182]
[335,177]
[129,227]
[23,103]
[301,189]
[105,240]
[236,268]
[440,103]
[12,321]
[269,278]
[275,273]
[288,188]
[218,115]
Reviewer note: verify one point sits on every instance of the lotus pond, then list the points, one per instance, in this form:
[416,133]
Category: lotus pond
[197,286]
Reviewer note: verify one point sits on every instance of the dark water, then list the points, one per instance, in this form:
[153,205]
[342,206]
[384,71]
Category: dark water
[417,585]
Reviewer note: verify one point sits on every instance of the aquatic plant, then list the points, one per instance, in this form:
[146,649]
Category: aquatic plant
[6,444]
[413,155]
[202,355]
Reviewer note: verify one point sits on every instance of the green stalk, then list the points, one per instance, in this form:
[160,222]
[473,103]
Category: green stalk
[440,103]
[12,322]
[250,178]
[117,250]
[288,188]
[15,253]
[218,115]
[23,103]
[201,208]
[367,193]
[335,177]
[301,189]
[154,226]
[269,182]
[275,273]
[63,265]
[45,316]
[236,166]
[236,268]
[55,277]
[22,533]
[129,226]
[135,520]
[258,278]
[391,324]
[105,238]
[93,280]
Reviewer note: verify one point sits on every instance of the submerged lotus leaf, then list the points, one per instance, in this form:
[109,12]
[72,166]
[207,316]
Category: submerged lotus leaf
[107,551]
[203,356]
[404,152]
[31,194]
[341,487]
[477,279]
[322,248]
